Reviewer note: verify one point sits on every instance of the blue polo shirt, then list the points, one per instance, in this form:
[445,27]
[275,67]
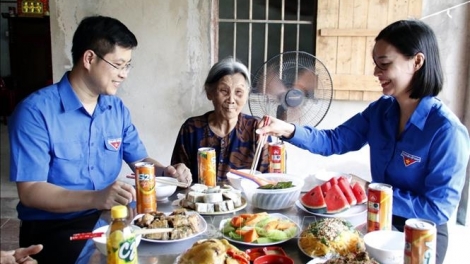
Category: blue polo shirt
[54,139]
[426,164]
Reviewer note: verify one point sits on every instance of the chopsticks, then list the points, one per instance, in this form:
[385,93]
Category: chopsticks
[145,231]
[163,181]
[259,147]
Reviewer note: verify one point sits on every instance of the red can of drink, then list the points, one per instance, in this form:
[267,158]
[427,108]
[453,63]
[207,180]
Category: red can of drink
[420,241]
[145,187]
[379,207]
[277,157]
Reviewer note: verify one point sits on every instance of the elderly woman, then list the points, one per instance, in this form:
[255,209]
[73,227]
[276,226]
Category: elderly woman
[226,129]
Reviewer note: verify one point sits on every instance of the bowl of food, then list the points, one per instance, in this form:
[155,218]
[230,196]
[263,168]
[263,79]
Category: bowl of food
[235,179]
[282,195]
[273,259]
[385,246]
[100,242]
[163,191]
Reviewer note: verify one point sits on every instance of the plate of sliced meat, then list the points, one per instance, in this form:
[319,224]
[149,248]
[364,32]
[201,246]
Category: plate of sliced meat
[185,225]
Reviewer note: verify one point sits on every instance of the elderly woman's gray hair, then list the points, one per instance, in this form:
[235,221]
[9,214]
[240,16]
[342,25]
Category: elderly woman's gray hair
[227,66]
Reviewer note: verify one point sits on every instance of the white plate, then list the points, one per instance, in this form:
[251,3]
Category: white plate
[281,216]
[353,211]
[244,203]
[318,261]
[202,227]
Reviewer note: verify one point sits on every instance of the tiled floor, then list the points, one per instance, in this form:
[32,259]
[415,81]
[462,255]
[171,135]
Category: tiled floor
[457,252]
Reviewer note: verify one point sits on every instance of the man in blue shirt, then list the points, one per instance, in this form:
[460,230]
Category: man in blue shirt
[68,141]
[417,144]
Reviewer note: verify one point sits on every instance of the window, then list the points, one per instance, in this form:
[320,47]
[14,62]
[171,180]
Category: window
[253,31]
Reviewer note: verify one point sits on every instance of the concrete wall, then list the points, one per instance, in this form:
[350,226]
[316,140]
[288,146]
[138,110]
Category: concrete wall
[170,62]
[452,28]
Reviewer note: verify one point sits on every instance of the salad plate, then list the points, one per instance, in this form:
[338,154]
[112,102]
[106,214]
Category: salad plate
[353,211]
[267,239]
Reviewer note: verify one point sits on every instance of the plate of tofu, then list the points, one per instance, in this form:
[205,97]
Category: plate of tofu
[213,200]
[185,225]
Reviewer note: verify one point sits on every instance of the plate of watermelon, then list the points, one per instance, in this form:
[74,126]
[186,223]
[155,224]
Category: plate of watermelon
[336,197]
[259,229]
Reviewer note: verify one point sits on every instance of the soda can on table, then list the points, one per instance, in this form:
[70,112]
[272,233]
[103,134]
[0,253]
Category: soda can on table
[420,241]
[145,187]
[277,157]
[206,167]
[379,207]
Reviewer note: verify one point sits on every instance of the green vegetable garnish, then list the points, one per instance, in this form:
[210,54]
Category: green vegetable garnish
[279,185]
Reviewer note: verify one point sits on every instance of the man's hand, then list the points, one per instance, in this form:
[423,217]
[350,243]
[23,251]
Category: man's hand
[118,193]
[20,255]
[180,172]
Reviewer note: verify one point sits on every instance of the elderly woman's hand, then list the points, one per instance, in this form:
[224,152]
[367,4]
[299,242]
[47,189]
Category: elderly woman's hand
[20,255]
[180,172]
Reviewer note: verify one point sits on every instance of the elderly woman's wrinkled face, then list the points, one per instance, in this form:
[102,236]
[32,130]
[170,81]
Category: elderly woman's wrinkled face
[230,95]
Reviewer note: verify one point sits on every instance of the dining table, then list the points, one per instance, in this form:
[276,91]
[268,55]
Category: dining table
[167,252]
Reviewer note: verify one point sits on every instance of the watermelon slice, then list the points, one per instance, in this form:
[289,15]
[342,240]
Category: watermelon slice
[335,200]
[359,193]
[347,191]
[325,187]
[313,201]
[333,180]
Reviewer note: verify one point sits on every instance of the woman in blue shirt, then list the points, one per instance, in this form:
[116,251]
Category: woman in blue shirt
[417,144]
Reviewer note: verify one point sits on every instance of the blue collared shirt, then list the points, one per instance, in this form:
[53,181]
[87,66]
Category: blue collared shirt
[426,164]
[54,139]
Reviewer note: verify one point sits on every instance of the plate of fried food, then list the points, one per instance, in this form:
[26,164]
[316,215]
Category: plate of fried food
[212,250]
[184,224]
[259,229]
[330,238]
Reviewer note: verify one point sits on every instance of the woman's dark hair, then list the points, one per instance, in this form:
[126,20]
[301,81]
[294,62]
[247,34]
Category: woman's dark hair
[101,34]
[410,37]
[227,66]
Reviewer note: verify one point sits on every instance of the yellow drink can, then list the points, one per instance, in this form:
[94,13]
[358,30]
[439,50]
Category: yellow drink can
[207,174]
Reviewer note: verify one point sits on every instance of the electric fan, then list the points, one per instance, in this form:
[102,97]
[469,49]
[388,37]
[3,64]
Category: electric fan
[293,86]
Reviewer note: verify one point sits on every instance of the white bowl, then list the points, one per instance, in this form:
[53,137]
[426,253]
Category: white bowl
[164,191]
[100,242]
[387,247]
[324,176]
[273,199]
[235,179]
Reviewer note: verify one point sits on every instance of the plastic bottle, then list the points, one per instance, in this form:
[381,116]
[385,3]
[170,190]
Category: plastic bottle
[120,238]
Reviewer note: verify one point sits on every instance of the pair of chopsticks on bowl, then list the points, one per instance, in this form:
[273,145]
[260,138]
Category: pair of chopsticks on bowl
[257,179]
[163,181]
[259,147]
[88,235]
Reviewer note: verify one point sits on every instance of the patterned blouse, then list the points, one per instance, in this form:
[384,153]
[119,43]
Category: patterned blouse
[235,150]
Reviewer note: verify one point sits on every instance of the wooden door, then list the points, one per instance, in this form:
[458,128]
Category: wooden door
[345,37]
